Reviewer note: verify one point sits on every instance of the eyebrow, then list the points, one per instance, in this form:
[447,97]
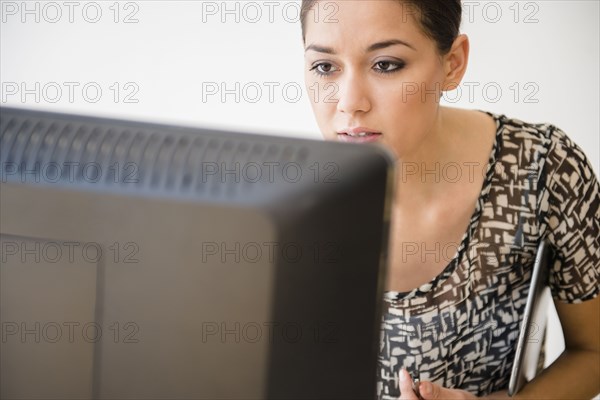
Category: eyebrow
[373,47]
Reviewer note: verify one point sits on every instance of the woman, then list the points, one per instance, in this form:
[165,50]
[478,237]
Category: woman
[462,243]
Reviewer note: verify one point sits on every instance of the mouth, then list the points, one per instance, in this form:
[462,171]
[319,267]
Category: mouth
[358,135]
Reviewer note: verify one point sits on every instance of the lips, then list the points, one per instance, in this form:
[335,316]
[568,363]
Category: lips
[358,135]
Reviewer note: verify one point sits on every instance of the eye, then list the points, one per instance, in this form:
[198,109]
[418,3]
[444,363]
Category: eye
[388,67]
[323,69]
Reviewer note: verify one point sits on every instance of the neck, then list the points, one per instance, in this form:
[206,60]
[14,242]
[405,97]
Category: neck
[421,173]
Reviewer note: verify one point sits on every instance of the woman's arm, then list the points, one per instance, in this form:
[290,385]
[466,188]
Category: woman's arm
[574,375]
[573,228]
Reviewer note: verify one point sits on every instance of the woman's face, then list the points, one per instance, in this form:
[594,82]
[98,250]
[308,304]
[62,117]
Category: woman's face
[373,70]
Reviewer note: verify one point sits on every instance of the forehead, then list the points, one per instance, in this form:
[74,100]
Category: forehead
[358,23]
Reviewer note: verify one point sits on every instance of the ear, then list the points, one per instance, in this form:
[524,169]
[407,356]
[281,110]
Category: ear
[455,62]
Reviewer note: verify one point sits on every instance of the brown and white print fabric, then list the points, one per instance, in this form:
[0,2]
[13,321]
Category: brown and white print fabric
[460,329]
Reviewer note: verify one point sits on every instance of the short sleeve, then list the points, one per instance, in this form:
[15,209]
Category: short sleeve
[573,220]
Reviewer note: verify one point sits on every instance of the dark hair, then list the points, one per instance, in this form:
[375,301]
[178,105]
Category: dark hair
[439,19]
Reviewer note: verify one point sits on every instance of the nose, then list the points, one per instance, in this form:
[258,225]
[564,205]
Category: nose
[353,96]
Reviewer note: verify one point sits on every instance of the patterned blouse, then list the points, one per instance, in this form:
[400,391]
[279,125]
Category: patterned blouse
[460,329]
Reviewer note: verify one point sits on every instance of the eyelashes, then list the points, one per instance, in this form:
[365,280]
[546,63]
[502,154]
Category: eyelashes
[325,69]
[385,66]
[316,69]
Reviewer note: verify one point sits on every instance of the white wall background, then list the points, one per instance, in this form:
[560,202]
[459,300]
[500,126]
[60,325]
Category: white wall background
[542,55]
[534,60]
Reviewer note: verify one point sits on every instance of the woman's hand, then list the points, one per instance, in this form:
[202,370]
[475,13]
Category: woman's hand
[429,390]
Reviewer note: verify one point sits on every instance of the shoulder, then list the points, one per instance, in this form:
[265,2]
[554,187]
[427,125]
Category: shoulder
[558,180]
[545,147]
[516,132]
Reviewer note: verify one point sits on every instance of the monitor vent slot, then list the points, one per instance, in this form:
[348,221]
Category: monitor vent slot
[58,149]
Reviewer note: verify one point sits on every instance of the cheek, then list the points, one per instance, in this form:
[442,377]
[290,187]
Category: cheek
[323,107]
[417,92]
[401,104]
[413,100]
[324,116]
[407,110]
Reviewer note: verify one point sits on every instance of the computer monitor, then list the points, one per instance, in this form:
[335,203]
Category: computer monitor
[149,261]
